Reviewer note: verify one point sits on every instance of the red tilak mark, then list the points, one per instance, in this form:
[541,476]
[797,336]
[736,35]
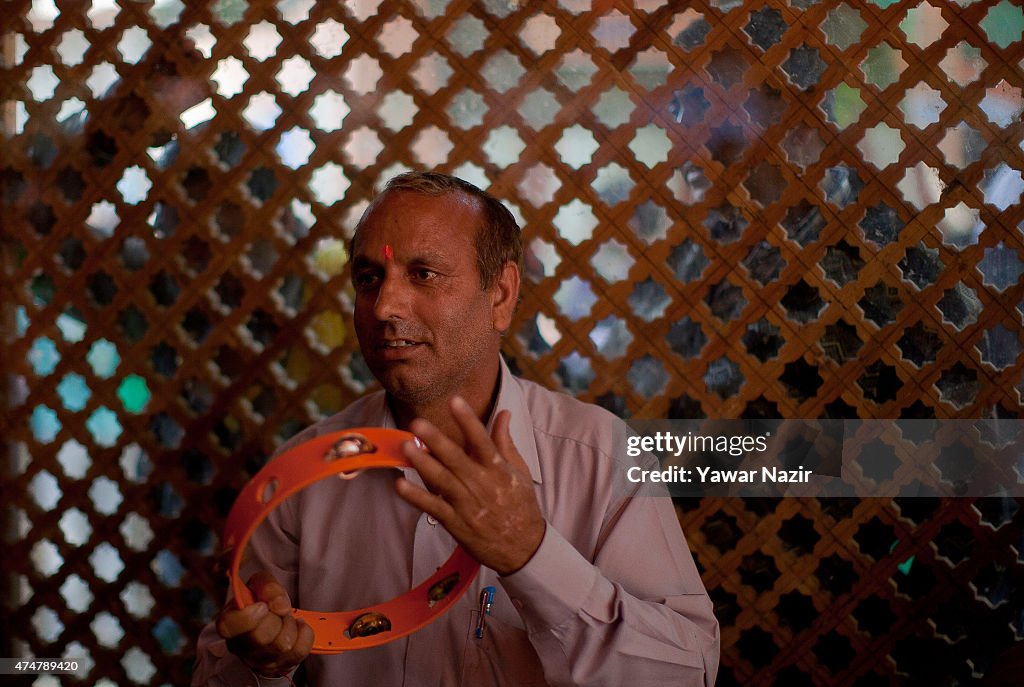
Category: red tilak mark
[388,253]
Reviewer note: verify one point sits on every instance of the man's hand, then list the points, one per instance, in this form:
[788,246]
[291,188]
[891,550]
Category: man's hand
[264,634]
[482,493]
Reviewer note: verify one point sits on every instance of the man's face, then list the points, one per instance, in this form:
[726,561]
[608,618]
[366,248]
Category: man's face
[426,328]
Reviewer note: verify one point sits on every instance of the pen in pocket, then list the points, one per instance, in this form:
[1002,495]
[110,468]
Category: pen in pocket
[486,602]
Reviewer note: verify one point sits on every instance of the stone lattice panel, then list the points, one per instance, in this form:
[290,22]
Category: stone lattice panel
[731,209]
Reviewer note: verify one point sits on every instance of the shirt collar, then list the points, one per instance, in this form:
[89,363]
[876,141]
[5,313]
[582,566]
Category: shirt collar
[510,398]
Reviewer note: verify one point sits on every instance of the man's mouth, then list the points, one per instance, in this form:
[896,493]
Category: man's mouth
[399,343]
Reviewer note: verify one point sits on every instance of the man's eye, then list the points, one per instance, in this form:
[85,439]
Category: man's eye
[423,274]
[364,279]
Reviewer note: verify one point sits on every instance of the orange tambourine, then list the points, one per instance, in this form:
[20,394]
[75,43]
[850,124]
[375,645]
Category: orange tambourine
[345,454]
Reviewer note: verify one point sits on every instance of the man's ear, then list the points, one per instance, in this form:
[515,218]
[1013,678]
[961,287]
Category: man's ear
[504,296]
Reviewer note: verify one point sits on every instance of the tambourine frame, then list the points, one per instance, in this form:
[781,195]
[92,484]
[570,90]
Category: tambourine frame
[310,462]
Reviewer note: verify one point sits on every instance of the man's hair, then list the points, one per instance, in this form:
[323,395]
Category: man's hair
[498,238]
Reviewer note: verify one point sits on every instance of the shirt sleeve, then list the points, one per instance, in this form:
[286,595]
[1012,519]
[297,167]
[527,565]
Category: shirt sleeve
[637,614]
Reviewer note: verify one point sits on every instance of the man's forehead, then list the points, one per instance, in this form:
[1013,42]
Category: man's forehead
[408,217]
[401,199]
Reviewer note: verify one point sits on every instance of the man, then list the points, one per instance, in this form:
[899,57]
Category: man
[593,587]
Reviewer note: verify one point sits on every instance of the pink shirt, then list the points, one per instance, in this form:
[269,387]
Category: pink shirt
[611,597]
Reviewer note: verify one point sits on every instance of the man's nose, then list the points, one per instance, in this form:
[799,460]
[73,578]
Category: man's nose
[392,298]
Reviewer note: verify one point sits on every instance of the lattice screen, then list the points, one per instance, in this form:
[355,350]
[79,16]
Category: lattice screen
[732,208]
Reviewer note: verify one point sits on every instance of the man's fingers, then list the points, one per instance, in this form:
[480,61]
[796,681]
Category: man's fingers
[293,644]
[265,634]
[266,631]
[304,642]
[434,473]
[233,623]
[265,587]
[285,640]
[440,445]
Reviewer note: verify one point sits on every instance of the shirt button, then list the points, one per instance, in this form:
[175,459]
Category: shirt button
[431,520]
[518,603]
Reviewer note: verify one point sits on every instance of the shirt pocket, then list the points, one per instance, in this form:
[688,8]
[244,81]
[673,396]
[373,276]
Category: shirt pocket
[503,656]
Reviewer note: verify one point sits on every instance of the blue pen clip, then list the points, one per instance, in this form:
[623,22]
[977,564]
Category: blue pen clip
[486,603]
